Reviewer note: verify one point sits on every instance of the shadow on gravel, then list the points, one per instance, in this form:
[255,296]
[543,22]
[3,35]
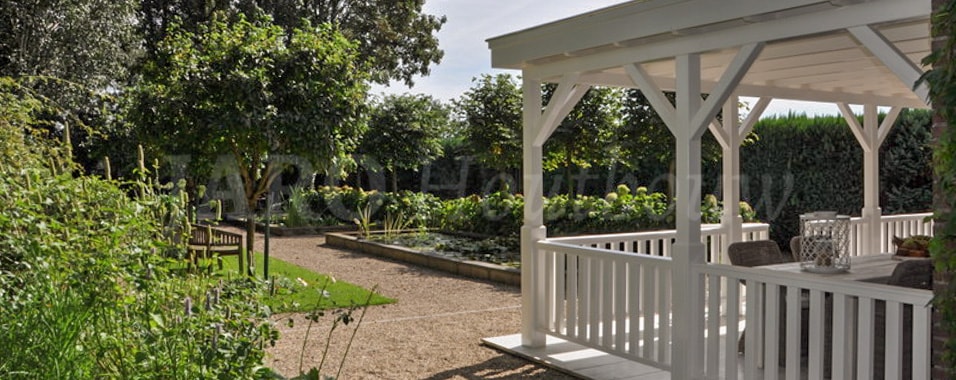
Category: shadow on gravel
[501,367]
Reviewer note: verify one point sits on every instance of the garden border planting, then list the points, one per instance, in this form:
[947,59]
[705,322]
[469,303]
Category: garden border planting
[468,268]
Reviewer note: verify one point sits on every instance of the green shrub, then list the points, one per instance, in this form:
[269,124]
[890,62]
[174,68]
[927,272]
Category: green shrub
[84,283]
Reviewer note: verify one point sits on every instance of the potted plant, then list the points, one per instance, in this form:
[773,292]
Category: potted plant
[913,246]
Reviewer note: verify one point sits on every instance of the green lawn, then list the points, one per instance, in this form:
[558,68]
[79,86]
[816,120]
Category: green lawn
[297,289]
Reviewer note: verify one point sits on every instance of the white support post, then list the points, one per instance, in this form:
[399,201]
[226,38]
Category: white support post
[734,134]
[731,221]
[870,135]
[688,355]
[533,313]
[871,212]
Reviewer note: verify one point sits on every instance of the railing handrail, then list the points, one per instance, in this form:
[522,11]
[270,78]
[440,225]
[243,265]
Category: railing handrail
[595,252]
[646,235]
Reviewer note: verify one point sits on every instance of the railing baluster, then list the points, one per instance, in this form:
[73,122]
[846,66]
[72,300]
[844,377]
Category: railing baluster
[620,305]
[733,328]
[713,324]
[648,333]
[771,327]
[573,329]
[894,341]
[594,307]
[634,290]
[864,368]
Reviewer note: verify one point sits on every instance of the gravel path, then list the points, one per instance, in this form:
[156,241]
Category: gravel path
[432,332]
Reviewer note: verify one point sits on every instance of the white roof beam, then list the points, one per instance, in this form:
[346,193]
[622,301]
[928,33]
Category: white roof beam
[627,22]
[855,126]
[908,72]
[813,93]
[653,93]
[748,124]
[727,83]
[863,14]
[567,95]
[887,123]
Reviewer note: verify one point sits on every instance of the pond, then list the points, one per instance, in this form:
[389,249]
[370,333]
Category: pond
[496,249]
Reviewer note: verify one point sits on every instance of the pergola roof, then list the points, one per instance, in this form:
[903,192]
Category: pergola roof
[853,51]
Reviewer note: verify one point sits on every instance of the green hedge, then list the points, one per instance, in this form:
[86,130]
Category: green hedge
[802,164]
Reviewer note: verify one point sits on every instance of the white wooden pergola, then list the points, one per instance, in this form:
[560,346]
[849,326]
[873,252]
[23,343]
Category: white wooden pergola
[864,52]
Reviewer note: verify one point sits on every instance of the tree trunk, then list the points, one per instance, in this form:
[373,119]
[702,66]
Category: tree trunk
[394,174]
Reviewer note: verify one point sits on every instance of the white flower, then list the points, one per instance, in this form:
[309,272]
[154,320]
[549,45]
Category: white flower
[301,281]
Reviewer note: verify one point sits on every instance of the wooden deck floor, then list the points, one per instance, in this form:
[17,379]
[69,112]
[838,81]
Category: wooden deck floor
[577,360]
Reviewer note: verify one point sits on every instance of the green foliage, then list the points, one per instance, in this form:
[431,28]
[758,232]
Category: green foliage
[906,178]
[790,170]
[395,38]
[501,213]
[588,135]
[405,132]
[942,93]
[85,285]
[492,116]
[296,208]
[76,54]
[252,91]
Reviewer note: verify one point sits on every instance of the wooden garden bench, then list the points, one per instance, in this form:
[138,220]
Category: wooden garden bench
[206,241]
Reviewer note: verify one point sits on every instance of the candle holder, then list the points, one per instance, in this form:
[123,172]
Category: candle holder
[825,242]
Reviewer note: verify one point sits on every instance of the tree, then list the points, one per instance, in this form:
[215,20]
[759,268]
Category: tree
[74,53]
[89,43]
[395,38]
[492,115]
[251,91]
[587,136]
[405,132]
[647,144]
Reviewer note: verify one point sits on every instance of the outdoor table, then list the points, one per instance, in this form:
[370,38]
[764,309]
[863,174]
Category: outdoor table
[867,268]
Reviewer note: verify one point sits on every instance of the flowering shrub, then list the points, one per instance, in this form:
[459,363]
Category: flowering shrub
[501,213]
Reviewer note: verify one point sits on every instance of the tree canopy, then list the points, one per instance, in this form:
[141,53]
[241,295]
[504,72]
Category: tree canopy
[396,39]
[89,43]
[491,112]
[405,132]
[588,135]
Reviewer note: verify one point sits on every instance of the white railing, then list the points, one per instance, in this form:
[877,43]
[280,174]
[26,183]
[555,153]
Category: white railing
[659,243]
[617,302]
[612,293]
[842,319]
[890,225]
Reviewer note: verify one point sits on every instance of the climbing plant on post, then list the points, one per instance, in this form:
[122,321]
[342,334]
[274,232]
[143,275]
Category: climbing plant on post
[942,92]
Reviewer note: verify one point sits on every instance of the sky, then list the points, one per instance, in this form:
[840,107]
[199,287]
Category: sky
[471,22]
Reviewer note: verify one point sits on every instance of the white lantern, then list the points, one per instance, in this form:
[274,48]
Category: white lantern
[825,240]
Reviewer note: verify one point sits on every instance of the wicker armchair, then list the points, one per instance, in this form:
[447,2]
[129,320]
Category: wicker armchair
[753,254]
[796,244]
[756,253]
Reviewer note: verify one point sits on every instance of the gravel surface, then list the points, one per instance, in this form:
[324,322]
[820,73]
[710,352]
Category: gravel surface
[432,332]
